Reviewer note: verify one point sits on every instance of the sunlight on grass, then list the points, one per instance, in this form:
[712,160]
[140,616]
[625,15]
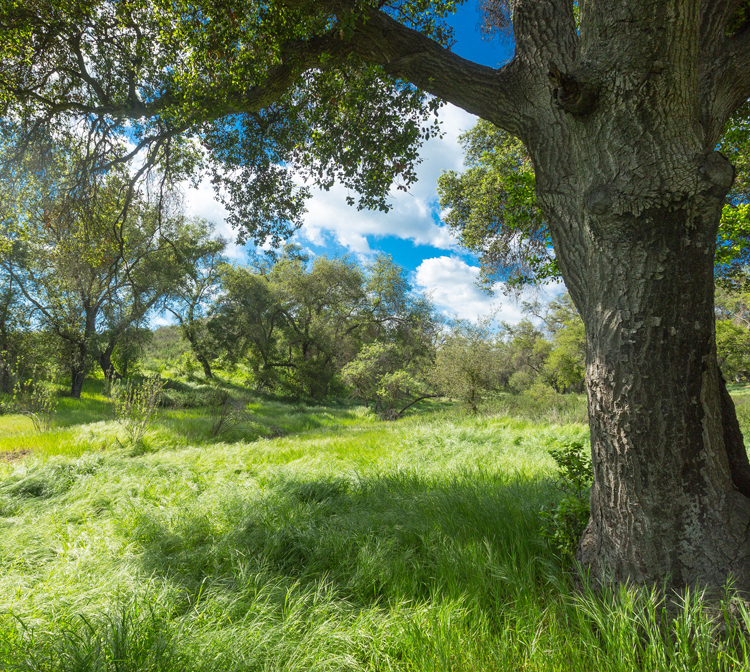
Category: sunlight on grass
[313,538]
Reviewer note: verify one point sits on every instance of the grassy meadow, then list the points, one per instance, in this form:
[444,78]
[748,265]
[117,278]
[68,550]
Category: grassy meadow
[316,538]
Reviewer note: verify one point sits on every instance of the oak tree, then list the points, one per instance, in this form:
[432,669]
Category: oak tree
[620,113]
[200,256]
[87,272]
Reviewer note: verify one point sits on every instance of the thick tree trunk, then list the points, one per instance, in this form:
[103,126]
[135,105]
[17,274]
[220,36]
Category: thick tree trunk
[671,493]
[205,364]
[105,362]
[77,377]
[632,192]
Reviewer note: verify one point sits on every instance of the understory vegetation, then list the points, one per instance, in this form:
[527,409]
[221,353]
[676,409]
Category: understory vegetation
[317,537]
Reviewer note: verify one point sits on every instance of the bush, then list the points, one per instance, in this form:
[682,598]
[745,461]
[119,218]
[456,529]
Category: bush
[377,375]
[179,394]
[136,405]
[467,365]
[36,400]
[564,522]
[225,413]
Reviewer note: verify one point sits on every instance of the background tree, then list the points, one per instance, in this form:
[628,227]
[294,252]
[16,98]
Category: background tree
[526,352]
[733,326]
[149,270]
[246,323]
[298,322]
[466,364]
[565,367]
[620,106]
[13,325]
[733,246]
[321,309]
[202,263]
[733,350]
[378,374]
[397,314]
[492,211]
[400,331]
[88,270]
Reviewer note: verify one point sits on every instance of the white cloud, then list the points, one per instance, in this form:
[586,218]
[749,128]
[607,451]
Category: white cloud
[411,218]
[162,320]
[452,285]
[412,215]
[450,282]
[201,202]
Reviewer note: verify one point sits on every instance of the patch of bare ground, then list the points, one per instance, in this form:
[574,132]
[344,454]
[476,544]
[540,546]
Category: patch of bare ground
[14,455]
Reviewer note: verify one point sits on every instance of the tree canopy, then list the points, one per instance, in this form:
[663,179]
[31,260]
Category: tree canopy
[620,105]
[491,208]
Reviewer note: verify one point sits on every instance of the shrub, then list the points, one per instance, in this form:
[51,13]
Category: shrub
[467,364]
[135,405]
[36,400]
[378,375]
[181,394]
[225,413]
[564,522]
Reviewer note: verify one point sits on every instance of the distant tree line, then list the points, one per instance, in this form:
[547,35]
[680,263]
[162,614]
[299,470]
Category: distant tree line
[84,269]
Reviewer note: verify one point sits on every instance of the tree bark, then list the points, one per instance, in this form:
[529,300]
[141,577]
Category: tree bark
[671,476]
[105,362]
[665,501]
[5,380]
[632,193]
[77,376]
[205,364]
[80,350]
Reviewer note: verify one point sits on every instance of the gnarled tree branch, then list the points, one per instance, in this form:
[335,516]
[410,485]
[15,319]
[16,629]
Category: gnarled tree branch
[494,94]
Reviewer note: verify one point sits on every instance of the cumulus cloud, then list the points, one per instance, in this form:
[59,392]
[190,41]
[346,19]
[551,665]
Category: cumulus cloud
[414,215]
[452,284]
[201,202]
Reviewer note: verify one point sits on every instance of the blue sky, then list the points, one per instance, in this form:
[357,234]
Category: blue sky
[411,232]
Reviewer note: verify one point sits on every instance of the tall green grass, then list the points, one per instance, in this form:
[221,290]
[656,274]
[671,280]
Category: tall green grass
[322,540]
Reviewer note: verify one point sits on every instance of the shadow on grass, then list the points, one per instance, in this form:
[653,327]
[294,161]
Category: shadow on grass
[92,407]
[380,539]
[260,420]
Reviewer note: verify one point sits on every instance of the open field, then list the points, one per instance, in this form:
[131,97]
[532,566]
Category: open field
[315,538]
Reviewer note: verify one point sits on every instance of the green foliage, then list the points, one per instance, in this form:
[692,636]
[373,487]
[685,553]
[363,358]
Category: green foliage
[378,375]
[14,341]
[37,400]
[564,521]
[565,368]
[224,412]
[186,393]
[90,267]
[128,350]
[329,117]
[166,345]
[493,211]
[135,405]
[297,323]
[491,206]
[733,332]
[525,354]
[733,350]
[189,300]
[466,364]
[733,244]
